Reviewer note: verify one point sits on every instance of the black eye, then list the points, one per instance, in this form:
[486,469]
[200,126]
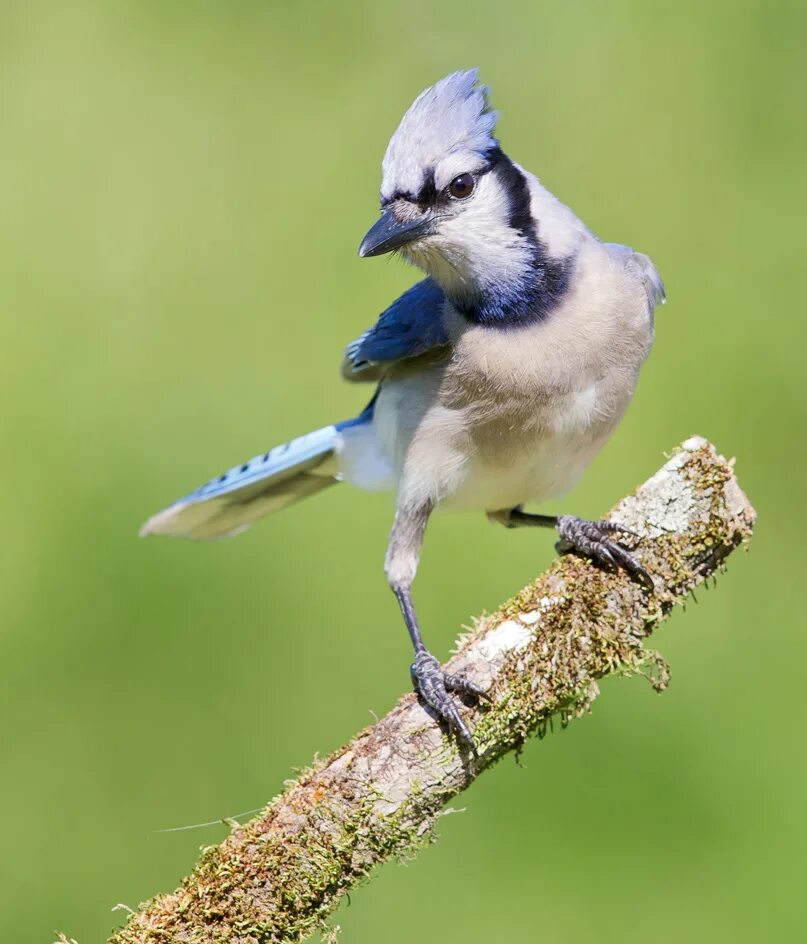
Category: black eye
[462,186]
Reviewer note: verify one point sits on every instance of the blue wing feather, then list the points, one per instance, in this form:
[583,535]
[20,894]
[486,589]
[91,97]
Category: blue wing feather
[412,325]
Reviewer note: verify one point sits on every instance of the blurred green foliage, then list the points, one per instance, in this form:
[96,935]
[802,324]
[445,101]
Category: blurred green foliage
[182,190]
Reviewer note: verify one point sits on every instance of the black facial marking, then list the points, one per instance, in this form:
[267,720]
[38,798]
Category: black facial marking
[427,196]
[532,297]
[528,297]
[517,190]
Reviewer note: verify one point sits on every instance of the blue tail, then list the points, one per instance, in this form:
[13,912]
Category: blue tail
[228,504]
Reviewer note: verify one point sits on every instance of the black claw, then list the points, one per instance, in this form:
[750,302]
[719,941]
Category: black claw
[642,576]
[591,539]
[629,563]
[433,686]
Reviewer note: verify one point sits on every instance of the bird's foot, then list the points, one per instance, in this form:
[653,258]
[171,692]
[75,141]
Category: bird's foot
[591,538]
[433,684]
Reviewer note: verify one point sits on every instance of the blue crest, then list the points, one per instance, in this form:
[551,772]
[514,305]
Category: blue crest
[452,115]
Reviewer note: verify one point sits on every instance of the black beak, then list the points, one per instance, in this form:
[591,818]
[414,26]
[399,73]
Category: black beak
[387,234]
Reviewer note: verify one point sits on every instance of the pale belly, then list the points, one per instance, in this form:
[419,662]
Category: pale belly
[486,460]
[544,468]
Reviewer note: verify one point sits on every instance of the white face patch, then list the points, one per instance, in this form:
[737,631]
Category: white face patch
[473,245]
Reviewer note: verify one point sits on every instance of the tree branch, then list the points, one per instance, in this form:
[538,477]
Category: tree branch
[278,877]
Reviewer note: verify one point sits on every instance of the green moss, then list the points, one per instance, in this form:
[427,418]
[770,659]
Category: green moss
[264,886]
[278,877]
[584,611]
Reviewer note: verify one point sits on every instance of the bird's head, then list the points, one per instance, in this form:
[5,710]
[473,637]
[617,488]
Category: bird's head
[452,203]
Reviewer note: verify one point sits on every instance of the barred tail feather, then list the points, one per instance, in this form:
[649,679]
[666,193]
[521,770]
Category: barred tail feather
[233,501]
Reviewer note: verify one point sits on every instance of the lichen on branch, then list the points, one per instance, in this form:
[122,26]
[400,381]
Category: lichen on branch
[276,878]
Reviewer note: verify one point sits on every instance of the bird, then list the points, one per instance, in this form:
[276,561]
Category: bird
[496,379]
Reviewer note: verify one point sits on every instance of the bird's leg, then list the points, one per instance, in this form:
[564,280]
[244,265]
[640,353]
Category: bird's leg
[431,682]
[577,535]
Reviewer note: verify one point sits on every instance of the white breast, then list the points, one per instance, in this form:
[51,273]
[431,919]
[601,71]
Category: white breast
[515,416]
[534,462]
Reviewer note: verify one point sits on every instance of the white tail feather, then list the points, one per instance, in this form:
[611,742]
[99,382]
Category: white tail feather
[228,504]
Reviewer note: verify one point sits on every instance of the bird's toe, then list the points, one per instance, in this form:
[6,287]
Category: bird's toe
[433,685]
[592,539]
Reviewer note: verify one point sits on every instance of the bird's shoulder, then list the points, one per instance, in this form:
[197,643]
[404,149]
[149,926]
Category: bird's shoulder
[640,267]
[410,327]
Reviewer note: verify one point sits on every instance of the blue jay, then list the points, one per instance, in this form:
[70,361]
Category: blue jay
[497,378]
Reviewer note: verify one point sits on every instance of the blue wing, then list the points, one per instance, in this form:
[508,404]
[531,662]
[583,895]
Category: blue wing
[412,325]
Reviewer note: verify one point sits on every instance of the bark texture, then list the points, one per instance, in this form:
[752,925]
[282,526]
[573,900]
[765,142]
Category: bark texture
[277,877]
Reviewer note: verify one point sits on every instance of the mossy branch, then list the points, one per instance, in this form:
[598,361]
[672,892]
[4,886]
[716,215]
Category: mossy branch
[279,876]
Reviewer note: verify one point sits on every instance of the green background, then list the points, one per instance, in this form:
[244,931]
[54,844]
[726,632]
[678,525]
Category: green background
[182,190]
